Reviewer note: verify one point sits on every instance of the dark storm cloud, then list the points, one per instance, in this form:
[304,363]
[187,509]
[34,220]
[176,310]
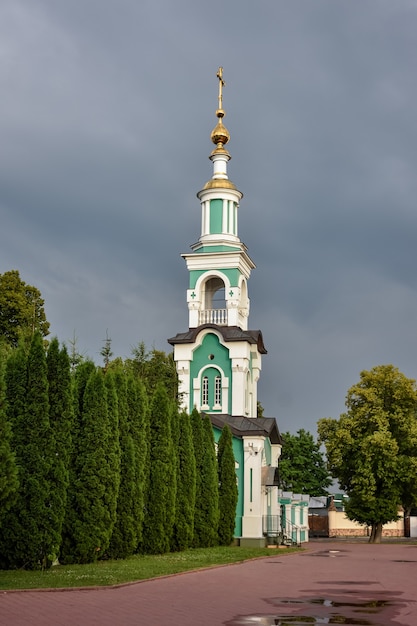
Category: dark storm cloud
[105,118]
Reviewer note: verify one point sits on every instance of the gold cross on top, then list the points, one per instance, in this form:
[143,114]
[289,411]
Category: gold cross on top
[221,85]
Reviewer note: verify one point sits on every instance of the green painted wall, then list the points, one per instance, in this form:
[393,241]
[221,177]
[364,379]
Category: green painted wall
[239,458]
[216,248]
[232,274]
[216,217]
[267,448]
[210,346]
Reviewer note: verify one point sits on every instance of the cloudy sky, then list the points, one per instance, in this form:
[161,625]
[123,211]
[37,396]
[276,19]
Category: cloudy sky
[106,110]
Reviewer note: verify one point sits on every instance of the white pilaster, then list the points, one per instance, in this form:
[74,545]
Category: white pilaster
[254,495]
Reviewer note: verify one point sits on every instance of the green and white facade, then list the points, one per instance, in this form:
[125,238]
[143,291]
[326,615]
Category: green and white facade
[219,359]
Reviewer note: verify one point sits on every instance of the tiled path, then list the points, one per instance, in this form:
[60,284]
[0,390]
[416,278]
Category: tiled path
[371,584]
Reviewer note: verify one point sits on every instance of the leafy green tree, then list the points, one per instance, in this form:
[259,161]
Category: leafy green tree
[372,448]
[302,466]
[186,485]
[228,492]
[21,309]
[9,482]
[159,515]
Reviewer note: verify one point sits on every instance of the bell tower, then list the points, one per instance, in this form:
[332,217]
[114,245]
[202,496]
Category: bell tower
[218,359]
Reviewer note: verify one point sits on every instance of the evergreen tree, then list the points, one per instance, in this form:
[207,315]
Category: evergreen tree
[82,374]
[174,474]
[154,367]
[61,421]
[79,383]
[124,539]
[16,381]
[186,485]
[9,482]
[210,487]
[75,357]
[157,531]
[91,528]
[198,444]
[228,492]
[113,450]
[106,351]
[138,363]
[139,433]
[31,530]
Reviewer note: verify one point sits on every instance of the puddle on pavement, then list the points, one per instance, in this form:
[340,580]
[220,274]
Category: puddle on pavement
[298,620]
[374,604]
[327,553]
[331,616]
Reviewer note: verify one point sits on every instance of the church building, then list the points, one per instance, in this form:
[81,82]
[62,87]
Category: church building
[219,359]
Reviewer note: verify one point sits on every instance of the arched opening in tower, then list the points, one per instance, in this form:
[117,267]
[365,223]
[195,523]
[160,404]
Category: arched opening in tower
[214,302]
[215,297]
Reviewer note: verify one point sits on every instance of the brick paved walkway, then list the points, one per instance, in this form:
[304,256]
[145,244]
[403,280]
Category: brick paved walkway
[235,595]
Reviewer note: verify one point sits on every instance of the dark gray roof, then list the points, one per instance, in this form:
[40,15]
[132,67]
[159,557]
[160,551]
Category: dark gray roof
[246,426]
[229,333]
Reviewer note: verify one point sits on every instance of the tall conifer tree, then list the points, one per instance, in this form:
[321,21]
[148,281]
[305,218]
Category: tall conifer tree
[157,531]
[16,381]
[124,539]
[9,482]
[228,493]
[186,485]
[139,432]
[92,527]
[61,421]
[173,477]
[209,486]
[31,529]
[79,383]
[198,444]
[112,449]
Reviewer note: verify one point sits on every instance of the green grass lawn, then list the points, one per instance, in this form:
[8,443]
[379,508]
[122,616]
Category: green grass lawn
[131,569]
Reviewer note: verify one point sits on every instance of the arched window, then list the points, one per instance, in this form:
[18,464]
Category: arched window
[211,390]
[205,392]
[218,391]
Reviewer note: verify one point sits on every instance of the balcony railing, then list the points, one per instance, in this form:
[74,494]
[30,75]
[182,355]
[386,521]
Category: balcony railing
[213,316]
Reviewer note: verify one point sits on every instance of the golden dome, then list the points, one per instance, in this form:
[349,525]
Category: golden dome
[219,183]
[220,134]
